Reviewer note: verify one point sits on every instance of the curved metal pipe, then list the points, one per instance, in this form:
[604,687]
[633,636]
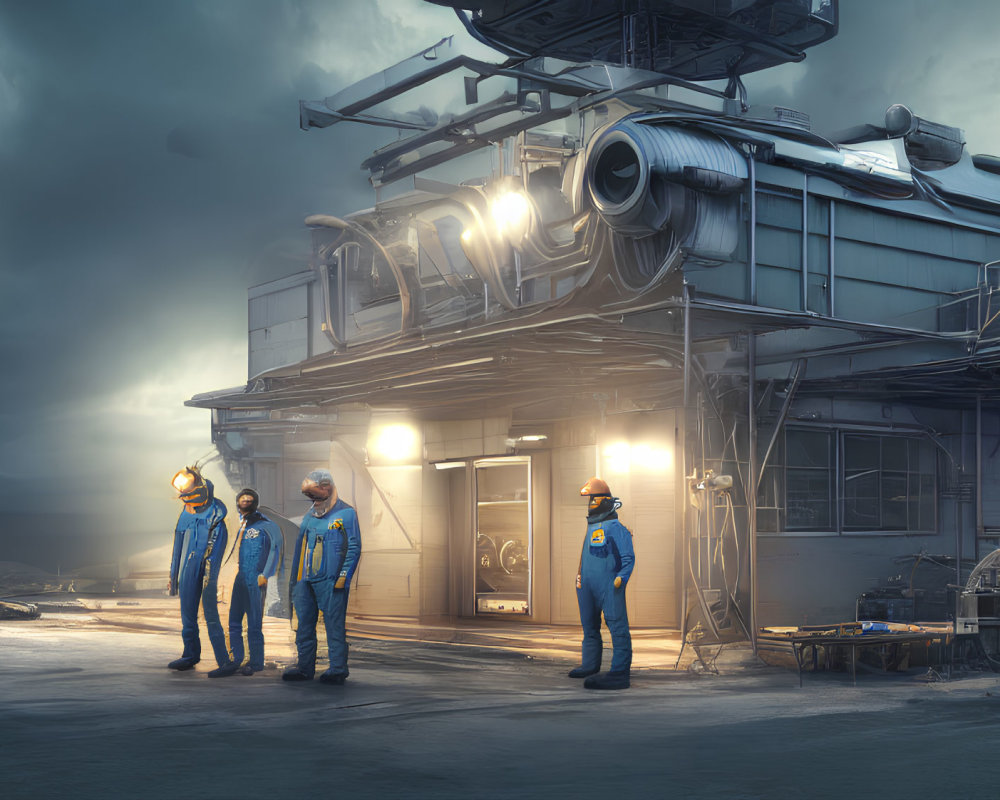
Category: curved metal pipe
[329,221]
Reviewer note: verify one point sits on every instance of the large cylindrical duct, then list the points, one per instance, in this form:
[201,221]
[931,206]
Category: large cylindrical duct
[644,178]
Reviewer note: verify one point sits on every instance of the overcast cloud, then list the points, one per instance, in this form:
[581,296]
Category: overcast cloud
[152,169]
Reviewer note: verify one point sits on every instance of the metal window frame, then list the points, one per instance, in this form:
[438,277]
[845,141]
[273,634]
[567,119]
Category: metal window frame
[839,432]
[881,531]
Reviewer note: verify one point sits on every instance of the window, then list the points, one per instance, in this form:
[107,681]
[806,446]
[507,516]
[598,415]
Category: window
[809,481]
[885,483]
[797,492]
[889,483]
[451,290]
[360,290]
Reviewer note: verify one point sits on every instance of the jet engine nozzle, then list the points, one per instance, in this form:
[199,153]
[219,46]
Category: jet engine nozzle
[644,177]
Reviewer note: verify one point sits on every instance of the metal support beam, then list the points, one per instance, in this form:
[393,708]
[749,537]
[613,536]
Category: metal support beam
[831,242]
[782,415]
[687,346]
[805,241]
[752,231]
[685,468]
[979,473]
[751,490]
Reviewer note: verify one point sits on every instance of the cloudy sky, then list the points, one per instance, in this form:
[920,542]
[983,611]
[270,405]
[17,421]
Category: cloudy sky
[151,169]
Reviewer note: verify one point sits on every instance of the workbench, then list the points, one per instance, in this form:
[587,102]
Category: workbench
[806,644]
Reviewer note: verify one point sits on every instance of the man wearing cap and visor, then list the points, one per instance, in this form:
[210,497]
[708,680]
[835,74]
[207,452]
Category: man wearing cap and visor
[326,556]
[258,545]
[199,545]
[605,566]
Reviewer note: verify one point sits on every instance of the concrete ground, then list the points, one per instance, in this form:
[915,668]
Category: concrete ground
[88,709]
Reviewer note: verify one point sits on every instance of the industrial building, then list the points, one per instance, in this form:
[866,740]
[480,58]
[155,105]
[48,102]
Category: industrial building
[778,346]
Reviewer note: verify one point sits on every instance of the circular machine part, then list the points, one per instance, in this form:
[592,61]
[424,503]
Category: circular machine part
[662,189]
[617,172]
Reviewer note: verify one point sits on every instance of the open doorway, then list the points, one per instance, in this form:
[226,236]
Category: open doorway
[503,535]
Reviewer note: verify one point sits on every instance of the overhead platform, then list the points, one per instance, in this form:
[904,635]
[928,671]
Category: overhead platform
[696,40]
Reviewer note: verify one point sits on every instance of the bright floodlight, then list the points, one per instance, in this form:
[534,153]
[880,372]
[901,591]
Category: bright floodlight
[397,442]
[616,457]
[651,459]
[624,457]
[510,213]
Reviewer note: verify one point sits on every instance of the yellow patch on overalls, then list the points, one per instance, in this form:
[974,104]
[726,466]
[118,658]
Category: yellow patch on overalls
[597,537]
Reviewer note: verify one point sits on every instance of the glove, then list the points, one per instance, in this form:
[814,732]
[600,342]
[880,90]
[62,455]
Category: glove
[579,582]
[261,581]
[618,582]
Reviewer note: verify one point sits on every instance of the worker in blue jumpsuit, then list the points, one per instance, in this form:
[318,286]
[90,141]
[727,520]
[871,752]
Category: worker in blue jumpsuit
[606,563]
[258,546]
[199,546]
[326,555]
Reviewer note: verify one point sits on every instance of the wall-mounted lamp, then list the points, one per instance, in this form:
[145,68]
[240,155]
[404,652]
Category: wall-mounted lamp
[448,464]
[527,440]
[622,457]
[395,442]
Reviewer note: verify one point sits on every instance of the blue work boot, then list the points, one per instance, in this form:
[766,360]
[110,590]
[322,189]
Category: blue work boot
[182,663]
[607,680]
[225,670]
[583,672]
[337,678]
[295,674]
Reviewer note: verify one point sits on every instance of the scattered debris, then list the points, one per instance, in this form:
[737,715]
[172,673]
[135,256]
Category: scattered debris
[931,676]
[14,610]
[17,579]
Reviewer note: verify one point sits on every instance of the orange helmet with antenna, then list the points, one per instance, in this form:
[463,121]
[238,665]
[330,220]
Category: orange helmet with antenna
[192,488]
[597,490]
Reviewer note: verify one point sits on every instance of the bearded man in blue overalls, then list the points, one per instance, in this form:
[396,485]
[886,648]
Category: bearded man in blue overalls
[199,545]
[606,563]
[326,555]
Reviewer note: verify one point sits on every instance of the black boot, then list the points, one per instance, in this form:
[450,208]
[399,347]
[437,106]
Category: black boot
[336,678]
[182,663]
[295,674]
[607,680]
[246,669]
[225,670]
[583,672]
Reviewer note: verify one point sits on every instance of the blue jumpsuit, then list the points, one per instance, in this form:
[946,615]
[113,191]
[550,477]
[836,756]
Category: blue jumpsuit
[607,554]
[191,558]
[327,548]
[259,554]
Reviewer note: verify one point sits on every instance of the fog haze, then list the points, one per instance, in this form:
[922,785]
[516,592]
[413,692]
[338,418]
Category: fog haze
[152,169]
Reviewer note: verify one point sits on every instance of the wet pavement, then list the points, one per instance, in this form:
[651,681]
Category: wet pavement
[88,709]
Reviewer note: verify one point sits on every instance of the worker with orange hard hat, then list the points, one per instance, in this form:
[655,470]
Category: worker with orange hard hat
[606,563]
